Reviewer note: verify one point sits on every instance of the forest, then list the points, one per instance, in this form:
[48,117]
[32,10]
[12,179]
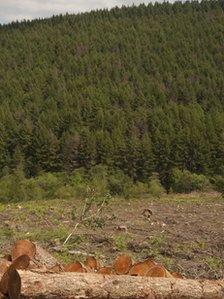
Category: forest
[136,89]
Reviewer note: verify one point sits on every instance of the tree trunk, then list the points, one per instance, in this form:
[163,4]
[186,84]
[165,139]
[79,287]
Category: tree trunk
[97,286]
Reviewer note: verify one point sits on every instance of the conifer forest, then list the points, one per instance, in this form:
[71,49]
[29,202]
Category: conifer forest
[137,89]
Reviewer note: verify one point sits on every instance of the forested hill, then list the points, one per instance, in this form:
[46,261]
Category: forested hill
[138,88]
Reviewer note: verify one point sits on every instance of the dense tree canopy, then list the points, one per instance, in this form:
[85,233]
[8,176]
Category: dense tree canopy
[138,88]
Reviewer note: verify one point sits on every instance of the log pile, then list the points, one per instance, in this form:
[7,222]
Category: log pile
[31,272]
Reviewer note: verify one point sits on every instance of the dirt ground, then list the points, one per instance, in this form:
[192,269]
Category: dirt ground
[183,232]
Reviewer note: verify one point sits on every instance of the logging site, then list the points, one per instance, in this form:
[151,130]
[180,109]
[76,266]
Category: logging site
[111,149]
[164,240]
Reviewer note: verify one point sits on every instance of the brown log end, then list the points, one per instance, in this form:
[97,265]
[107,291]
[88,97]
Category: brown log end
[23,247]
[177,275]
[4,265]
[157,271]
[122,264]
[14,285]
[11,283]
[106,271]
[141,268]
[75,267]
[92,263]
[21,263]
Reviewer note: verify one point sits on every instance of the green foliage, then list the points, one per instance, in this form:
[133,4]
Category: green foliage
[185,182]
[138,189]
[129,88]
[155,187]
[49,184]
[98,179]
[77,181]
[218,182]
[119,183]
[12,187]
[214,263]
[66,192]
[121,241]
[33,190]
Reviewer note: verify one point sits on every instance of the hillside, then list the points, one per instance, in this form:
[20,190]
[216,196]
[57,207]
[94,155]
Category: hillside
[139,88]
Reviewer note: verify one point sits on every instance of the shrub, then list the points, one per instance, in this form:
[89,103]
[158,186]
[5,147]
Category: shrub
[155,187]
[138,189]
[120,184]
[65,192]
[49,183]
[78,180]
[33,190]
[12,187]
[98,179]
[218,182]
[186,182]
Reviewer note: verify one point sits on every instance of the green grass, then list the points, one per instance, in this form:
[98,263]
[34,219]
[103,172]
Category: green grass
[121,241]
[214,263]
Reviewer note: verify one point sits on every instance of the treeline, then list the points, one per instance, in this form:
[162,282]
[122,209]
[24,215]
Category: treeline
[140,89]
[98,183]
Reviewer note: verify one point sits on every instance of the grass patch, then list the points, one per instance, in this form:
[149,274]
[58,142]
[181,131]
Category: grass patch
[121,241]
[166,261]
[2,207]
[214,263]
[63,257]
[6,233]
[44,235]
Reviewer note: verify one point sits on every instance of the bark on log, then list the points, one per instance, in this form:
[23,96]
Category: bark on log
[44,258]
[89,286]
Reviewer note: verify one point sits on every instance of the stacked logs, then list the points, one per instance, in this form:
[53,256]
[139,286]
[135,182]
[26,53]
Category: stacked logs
[123,265]
[44,277]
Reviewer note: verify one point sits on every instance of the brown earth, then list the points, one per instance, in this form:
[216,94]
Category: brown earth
[184,232]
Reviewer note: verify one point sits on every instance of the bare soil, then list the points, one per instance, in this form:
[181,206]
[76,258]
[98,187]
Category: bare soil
[183,232]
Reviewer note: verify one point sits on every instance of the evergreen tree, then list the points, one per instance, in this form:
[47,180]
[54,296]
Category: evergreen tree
[136,88]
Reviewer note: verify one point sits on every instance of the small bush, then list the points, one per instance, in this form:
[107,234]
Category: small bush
[120,184]
[138,189]
[33,190]
[186,182]
[65,192]
[12,187]
[218,182]
[78,180]
[98,179]
[155,187]
[49,183]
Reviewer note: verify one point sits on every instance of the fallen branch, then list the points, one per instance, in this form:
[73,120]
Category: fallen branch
[89,286]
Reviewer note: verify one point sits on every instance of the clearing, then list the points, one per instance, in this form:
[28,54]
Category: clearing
[184,232]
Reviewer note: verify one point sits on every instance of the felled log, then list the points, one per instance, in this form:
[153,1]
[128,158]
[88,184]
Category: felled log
[89,286]
[44,258]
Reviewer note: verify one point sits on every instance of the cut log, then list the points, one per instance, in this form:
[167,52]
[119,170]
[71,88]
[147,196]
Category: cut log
[44,258]
[21,263]
[14,285]
[4,264]
[106,270]
[90,285]
[122,264]
[92,263]
[75,267]
[10,283]
[23,247]
[142,268]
